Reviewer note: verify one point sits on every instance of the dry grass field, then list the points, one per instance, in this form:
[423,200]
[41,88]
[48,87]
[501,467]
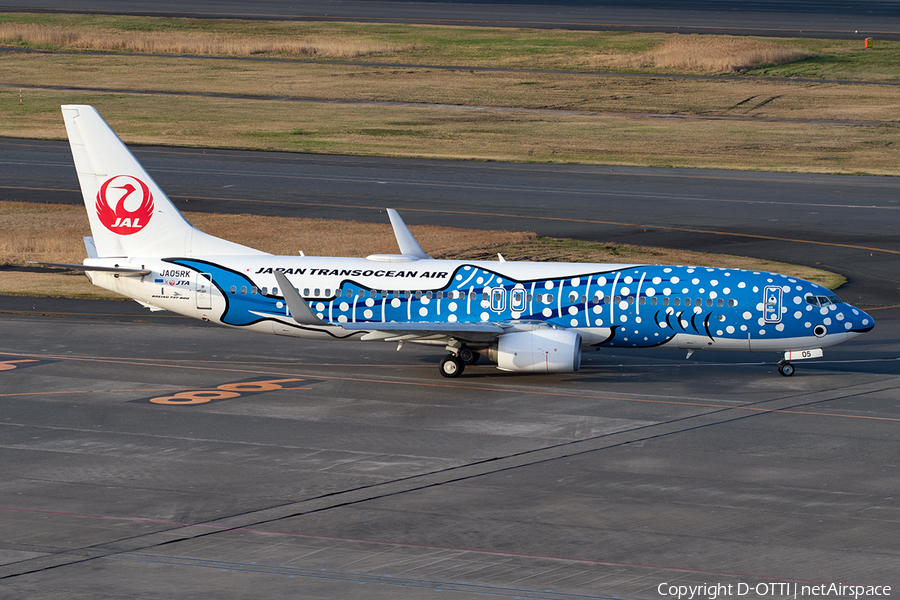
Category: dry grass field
[715,54]
[456,133]
[53,233]
[570,115]
[181,42]
[576,117]
[711,54]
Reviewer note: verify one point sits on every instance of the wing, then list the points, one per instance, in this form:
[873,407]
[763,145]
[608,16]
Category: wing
[469,332]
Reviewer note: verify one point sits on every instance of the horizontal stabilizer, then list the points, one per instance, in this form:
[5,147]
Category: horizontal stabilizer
[76,267]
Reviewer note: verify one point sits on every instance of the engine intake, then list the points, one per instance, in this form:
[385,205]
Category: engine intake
[543,350]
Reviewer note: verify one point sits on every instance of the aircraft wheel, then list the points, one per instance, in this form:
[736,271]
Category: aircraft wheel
[786,369]
[468,356]
[452,366]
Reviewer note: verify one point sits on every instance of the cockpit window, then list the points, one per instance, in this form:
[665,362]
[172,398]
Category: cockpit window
[823,300]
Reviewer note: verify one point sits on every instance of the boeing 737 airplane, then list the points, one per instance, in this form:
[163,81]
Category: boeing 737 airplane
[524,316]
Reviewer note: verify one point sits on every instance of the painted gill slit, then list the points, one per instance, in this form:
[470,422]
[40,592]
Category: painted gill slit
[637,298]
[531,302]
[559,298]
[587,300]
[612,299]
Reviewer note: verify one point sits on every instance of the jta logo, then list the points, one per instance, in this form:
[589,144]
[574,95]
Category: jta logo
[111,204]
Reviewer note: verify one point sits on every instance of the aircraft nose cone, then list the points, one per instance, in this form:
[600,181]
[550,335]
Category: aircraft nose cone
[859,321]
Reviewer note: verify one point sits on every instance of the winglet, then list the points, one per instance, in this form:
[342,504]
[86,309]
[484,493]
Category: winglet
[405,239]
[300,310]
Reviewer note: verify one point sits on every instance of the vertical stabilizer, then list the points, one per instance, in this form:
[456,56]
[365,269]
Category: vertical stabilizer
[129,214]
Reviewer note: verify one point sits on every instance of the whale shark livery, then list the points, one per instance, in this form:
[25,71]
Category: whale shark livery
[523,316]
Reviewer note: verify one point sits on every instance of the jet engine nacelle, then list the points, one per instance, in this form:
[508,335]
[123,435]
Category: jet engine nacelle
[543,350]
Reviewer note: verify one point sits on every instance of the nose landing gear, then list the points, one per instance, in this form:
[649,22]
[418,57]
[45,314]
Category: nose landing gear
[785,368]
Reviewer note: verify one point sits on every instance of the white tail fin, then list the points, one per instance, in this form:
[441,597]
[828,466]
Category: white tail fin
[130,215]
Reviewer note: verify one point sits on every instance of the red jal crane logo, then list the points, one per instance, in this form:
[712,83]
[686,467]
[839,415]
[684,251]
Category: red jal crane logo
[111,208]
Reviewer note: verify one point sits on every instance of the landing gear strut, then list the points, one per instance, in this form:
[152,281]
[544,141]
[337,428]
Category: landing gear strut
[468,356]
[785,368]
[452,366]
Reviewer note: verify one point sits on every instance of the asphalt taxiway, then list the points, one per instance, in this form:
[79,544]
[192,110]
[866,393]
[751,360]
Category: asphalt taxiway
[169,458]
[150,456]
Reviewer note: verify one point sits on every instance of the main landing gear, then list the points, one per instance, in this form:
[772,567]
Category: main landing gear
[785,368]
[454,364]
